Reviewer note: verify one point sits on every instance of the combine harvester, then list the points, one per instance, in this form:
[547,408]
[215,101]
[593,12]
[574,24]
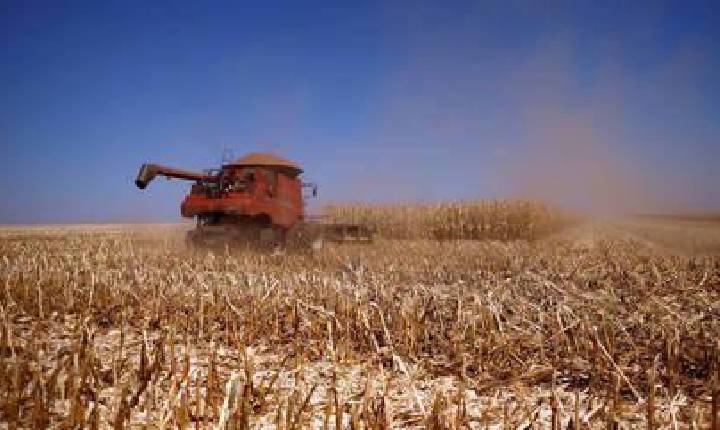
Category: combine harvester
[256,199]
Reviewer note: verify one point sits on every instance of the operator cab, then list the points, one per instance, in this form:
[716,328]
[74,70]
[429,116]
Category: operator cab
[240,180]
[262,174]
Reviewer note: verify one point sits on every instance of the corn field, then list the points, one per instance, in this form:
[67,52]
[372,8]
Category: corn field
[479,219]
[593,327]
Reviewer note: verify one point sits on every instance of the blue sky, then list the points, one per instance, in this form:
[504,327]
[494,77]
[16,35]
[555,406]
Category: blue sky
[601,105]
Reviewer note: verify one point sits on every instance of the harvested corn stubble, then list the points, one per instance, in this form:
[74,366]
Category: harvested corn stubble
[595,325]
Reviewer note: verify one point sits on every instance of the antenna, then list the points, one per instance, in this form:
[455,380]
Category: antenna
[227,155]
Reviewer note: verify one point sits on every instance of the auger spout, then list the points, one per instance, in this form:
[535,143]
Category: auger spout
[148,172]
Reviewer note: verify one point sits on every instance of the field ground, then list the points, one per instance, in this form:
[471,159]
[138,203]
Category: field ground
[120,325]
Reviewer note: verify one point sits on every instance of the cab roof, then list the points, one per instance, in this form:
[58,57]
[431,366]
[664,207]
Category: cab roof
[265,159]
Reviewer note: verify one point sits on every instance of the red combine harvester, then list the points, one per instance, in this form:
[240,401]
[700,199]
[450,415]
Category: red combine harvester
[257,198]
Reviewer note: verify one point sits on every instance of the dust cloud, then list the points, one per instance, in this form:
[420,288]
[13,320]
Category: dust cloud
[566,162]
[598,146]
[598,139]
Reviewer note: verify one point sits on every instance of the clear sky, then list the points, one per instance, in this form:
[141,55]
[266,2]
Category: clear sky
[605,104]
